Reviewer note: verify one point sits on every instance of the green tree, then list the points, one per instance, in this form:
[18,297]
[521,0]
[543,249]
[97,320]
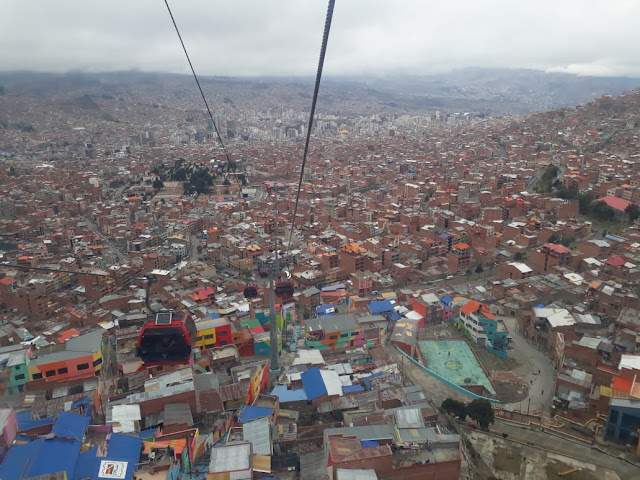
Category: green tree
[602,211]
[567,241]
[584,201]
[518,257]
[480,410]
[188,189]
[455,408]
[479,269]
[157,184]
[633,211]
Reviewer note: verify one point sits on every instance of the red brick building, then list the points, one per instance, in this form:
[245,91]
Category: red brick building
[548,256]
[459,258]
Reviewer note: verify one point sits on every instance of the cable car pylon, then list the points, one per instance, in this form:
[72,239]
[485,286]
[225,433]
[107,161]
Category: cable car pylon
[274,364]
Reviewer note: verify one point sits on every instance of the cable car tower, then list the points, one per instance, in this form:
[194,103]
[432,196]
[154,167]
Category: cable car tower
[272,268]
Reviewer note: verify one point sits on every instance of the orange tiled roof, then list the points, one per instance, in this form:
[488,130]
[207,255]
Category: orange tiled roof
[472,307]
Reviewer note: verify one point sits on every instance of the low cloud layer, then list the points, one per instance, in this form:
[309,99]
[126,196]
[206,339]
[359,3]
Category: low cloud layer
[368,37]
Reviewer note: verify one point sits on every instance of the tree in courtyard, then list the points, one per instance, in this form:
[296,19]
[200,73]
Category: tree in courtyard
[518,257]
[480,410]
[479,269]
[455,408]
[633,211]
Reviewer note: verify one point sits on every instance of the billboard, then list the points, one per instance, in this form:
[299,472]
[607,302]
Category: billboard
[112,469]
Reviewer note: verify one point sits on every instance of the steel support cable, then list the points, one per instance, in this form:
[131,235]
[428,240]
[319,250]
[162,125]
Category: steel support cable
[204,99]
[323,50]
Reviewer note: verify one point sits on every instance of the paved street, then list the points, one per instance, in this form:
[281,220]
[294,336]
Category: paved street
[541,386]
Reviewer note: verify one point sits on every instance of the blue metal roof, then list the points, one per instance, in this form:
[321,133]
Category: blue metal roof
[381,306]
[285,395]
[366,379]
[352,388]
[71,425]
[86,464]
[150,433]
[334,287]
[369,443]
[313,384]
[41,457]
[395,316]
[18,459]
[251,413]
[83,401]
[446,299]
[25,422]
[326,310]
[121,448]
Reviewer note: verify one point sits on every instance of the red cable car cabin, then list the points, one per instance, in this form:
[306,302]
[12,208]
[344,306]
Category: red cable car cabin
[167,340]
[284,289]
[251,291]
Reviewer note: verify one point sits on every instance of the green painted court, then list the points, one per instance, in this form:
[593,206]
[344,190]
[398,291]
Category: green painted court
[454,360]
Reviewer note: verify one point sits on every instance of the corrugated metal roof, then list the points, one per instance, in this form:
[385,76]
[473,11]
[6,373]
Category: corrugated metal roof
[285,395]
[184,375]
[409,418]
[88,343]
[258,432]
[336,323]
[123,417]
[232,457]
[206,381]
[365,432]
[381,306]
[332,382]
[177,413]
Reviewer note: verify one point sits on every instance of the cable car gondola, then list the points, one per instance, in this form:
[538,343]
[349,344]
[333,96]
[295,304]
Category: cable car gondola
[166,340]
[250,291]
[263,274]
[284,289]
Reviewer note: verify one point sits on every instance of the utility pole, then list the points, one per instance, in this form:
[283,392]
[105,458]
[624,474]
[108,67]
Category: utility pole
[274,367]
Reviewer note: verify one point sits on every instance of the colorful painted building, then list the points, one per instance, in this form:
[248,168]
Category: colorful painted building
[213,332]
[331,332]
[14,362]
[477,319]
[78,357]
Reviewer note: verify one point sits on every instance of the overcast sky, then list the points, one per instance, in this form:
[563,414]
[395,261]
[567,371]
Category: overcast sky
[282,37]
